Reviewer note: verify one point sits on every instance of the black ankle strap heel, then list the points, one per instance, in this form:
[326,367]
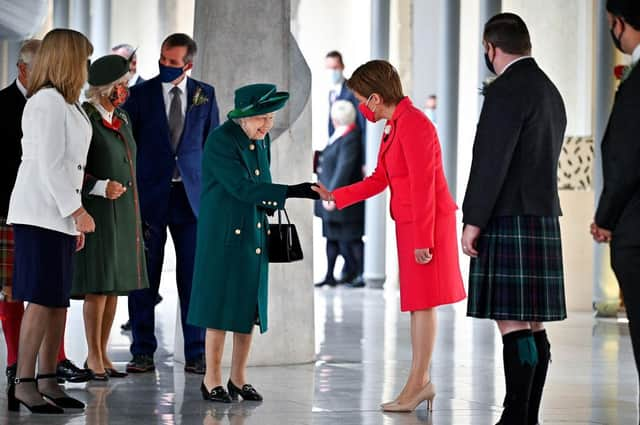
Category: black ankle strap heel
[14,403]
[65,401]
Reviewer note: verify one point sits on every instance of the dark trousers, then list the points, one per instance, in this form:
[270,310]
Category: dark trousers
[353,253]
[182,224]
[626,265]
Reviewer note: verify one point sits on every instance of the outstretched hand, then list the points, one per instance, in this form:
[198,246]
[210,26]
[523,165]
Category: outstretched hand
[324,193]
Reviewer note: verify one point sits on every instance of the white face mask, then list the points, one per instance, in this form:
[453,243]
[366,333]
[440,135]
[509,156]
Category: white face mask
[335,76]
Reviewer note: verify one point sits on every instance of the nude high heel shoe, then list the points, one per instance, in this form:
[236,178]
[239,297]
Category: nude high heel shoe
[428,393]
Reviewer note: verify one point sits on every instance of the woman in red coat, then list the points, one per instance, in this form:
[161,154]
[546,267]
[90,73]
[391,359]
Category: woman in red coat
[410,164]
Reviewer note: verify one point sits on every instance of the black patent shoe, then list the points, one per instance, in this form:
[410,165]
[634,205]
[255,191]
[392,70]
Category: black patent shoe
[69,372]
[218,394]
[330,282]
[247,392]
[11,373]
[13,403]
[65,401]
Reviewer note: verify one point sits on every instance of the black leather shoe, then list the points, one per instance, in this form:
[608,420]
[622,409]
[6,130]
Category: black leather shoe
[330,282]
[11,373]
[347,277]
[218,394]
[126,326]
[141,363]
[69,372]
[197,366]
[65,401]
[247,392]
[13,403]
[114,373]
[358,282]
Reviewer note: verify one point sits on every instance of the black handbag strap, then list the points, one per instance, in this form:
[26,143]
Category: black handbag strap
[280,216]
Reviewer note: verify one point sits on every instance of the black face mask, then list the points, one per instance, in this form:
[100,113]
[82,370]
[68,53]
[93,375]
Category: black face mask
[617,41]
[487,61]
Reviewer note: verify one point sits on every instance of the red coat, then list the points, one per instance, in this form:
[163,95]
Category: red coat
[410,164]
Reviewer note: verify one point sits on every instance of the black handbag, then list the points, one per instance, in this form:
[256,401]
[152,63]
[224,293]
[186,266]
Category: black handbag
[283,242]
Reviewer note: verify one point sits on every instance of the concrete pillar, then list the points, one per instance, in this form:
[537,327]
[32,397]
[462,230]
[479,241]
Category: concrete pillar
[60,13]
[376,208]
[79,16]
[488,9]
[100,27]
[448,73]
[248,42]
[13,48]
[605,288]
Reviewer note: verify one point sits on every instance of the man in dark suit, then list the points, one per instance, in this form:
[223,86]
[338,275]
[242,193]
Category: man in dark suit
[12,102]
[171,115]
[618,215]
[511,211]
[351,273]
[127,51]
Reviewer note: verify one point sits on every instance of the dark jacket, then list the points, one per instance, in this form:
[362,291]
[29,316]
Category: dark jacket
[515,153]
[156,159]
[619,206]
[340,165]
[11,106]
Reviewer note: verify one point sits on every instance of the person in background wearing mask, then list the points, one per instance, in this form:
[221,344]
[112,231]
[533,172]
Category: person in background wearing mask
[171,117]
[112,262]
[128,52]
[12,103]
[339,91]
[617,217]
[410,164]
[430,108]
[511,228]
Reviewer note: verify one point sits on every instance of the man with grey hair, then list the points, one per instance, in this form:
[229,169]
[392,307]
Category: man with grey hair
[126,50]
[12,101]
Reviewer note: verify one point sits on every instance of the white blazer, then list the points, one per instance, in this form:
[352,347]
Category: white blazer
[55,142]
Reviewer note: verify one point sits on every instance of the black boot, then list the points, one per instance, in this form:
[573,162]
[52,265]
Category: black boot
[520,358]
[544,357]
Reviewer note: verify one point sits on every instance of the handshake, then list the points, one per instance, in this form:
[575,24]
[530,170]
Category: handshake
[309,191]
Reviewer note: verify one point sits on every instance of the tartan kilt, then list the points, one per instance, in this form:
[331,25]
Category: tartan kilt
[6,253]
[518,274]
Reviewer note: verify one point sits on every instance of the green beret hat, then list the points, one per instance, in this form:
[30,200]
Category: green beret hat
[257,99]
[108,69]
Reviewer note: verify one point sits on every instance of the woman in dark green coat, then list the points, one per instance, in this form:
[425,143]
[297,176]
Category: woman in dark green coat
[113,261]
[230,280]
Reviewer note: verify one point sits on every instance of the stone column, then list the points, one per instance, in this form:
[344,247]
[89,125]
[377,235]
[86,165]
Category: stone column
[101,27]
[249,42]
[79,18]
[488,9]
[605,287]
[60,13]
[376,208]
[448,73]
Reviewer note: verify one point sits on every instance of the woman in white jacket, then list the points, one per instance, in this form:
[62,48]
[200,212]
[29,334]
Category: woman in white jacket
[48,218]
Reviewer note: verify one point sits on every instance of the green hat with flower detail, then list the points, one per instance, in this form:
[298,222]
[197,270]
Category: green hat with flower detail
[257,99]
[107,69]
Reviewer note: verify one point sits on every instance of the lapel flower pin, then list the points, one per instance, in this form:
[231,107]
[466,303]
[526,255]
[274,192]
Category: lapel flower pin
[486,83]
[387,129]
[622,72]
[199,98]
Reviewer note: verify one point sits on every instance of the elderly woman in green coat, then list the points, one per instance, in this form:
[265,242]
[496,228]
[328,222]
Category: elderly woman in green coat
[113,261]
[230,281]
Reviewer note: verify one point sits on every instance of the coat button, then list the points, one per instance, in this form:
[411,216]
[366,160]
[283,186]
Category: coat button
[79,167]
[259,225]
[264,202]
[268,232]
[275,203]
[252,146]
[257,172]
[175,157]
[77,190]
[237,231]
[129,183]
[258,251]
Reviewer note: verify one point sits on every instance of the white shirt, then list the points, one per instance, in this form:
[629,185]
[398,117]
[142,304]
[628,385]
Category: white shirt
[133,79]
[514,61]
[55,143]
[168,97]
[635,56]
[22,88]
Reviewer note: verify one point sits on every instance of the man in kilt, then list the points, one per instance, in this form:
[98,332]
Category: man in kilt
[511,210]
[618,216]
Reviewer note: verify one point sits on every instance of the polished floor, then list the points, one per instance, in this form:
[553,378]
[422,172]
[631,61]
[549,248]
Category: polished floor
[363,354]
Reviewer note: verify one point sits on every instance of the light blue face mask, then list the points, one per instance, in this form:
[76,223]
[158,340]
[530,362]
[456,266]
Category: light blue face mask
[335,76]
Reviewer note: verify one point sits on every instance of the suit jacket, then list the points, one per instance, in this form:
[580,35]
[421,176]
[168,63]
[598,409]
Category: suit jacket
[55,142]
[361,122]
[514,170]
[619,206]
[410,163]
[156,159]
[11,107]
[341,165]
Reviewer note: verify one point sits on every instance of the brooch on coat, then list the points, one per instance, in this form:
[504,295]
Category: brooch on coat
[199,98]
[622,72]
[485,85]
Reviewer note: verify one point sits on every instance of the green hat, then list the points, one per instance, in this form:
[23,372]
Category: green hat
[107,69]
[257,99]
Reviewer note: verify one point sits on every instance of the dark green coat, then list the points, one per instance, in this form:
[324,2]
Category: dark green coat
[113,260]
[230,277]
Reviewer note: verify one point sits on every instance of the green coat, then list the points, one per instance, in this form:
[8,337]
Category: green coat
[230,277]
[113,259]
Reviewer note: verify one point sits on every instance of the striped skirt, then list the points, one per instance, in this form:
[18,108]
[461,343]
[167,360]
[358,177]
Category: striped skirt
[6,253]
[518,274]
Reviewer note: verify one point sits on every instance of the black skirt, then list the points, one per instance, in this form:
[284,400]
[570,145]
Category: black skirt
[43,270]
[518,274]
